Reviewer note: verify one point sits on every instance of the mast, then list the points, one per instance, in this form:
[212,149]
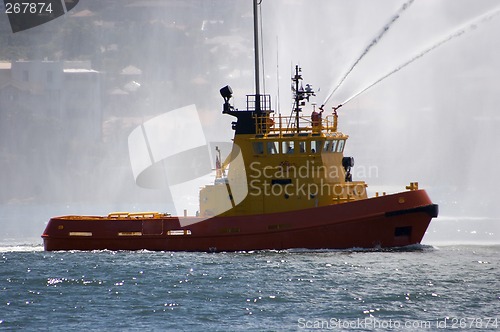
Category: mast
[298,96]
[256,54]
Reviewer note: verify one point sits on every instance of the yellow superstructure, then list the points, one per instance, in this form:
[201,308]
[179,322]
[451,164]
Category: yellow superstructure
[281,164]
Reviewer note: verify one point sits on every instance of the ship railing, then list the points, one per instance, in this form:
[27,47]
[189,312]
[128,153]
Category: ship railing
[265,103]
[137,215]
[270,123]
[352,191]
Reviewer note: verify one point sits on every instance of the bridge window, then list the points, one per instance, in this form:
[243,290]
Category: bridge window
[333,146]
[258,148]
[302,147]
[340,148]
[330,145]
[327,145]
[287,147]
[272,147]
[316,146]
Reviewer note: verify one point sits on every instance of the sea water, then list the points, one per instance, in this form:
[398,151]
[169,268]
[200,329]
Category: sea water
[416,288]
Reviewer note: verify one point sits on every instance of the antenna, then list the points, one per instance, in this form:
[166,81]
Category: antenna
[300,94]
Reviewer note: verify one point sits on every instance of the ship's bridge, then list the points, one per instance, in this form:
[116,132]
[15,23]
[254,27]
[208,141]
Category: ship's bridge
[279,134]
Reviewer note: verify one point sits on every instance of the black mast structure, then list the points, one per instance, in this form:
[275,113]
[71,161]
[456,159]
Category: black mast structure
[300,94]
[256,55]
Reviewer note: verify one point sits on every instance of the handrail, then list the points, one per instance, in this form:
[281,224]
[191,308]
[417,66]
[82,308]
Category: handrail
[267,122]
[270,123]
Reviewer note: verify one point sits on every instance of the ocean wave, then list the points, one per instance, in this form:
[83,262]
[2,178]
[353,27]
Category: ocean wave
[20,247]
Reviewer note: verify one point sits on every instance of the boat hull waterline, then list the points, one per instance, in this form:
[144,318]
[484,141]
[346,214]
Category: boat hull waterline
[394,220]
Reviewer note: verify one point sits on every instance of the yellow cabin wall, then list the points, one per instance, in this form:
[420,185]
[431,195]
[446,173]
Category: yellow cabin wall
[317,179]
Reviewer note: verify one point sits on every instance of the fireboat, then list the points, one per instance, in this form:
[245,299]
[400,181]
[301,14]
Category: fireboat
[285,184]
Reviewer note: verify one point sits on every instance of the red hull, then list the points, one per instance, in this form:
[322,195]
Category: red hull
[388,221]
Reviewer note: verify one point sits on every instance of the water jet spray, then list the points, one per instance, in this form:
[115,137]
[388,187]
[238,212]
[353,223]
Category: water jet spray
[367,49]
[469,27]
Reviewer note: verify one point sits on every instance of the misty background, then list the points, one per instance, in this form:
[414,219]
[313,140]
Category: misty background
[73,89]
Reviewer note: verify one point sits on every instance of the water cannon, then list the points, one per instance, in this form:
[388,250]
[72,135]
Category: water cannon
[334,108]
